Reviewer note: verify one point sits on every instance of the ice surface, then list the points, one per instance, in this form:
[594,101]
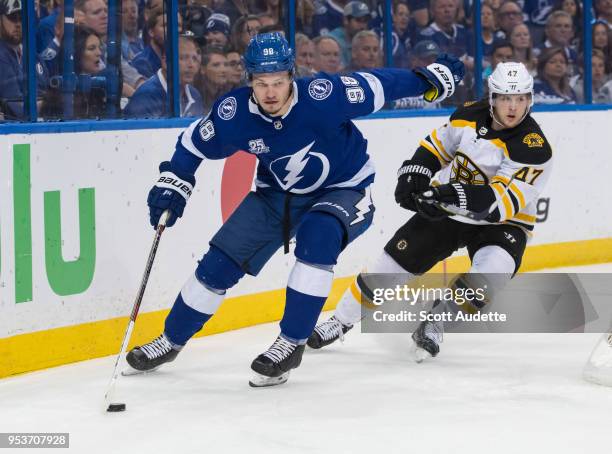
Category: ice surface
[483,394]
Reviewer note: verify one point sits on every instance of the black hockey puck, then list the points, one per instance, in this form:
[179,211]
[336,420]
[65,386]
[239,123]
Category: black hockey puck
[116,407]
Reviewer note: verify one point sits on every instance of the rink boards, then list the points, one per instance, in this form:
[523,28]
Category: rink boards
[74,231]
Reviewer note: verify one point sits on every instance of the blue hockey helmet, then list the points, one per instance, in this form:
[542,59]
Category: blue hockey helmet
[268,53]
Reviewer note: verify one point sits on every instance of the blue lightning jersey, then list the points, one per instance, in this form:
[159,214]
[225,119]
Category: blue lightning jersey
[313,147]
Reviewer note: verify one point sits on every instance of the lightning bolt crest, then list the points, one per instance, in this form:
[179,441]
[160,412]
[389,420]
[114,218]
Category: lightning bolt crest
[295,166]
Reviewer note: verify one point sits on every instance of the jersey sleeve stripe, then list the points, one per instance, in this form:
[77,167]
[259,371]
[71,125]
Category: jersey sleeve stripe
[377,88]
[525,218]
[439,145]
[516,192]
[463,124]
[499,187]
[187,141]
[501,144]
[429,147]
[515,202]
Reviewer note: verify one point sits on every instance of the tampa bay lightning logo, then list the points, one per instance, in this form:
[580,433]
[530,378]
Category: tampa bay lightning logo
[301,172]
[320,89]
[227,108]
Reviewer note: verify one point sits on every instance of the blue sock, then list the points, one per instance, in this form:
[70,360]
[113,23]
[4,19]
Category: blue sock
[301,314]
[183,322]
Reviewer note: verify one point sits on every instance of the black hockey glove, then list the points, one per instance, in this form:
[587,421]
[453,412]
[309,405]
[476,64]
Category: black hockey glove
[452,193]
[411,179]
[171,192]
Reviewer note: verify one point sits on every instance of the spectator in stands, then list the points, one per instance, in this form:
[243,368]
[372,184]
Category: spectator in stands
[151,98]
[574,9]
[552,85]
[304,55]
[537,12]
[148,62]
[489,29]
[328,16]
[87,61]
[509,15]
[92,14]
[151,7]
[304,16]
[403,34]
[502,52]
[235,69]
[602,40]
[270,8]
[266,20]
[273,28]
[559,32]
[212,79]
[243,30]
[233,9]
[420,12]
[451,37]
[327,55]
[131,42]
[217,30]
[423,54]
[365,51]
[356,18]
[46,30]
[601,84]
[603,11]
[520,38]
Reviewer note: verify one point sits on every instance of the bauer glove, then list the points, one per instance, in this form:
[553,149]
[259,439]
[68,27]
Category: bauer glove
[171,192]
[444,75]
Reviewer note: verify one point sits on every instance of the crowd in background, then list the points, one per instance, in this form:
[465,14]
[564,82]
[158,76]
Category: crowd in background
[334,36]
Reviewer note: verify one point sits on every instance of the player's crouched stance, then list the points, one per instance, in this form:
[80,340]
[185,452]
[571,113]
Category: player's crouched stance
[312,182]
[493,161]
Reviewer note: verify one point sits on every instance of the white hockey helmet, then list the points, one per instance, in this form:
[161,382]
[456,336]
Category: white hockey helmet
[510,78]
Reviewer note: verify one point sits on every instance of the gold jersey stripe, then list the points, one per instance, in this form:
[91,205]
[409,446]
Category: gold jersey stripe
[359,297]
[501,144]
[513,188]
[525,217]
[439,145]
[504,198]
[433,151]
[463,124]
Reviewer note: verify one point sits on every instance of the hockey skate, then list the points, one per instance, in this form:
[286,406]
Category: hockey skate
[273,366]
[151,356]
[328,332]
[427,339]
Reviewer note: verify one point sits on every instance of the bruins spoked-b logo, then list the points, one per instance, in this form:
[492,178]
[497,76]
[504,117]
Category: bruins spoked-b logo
[465,171]
[401,245]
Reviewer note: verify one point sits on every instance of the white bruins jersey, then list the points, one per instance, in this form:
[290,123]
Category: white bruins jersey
[471,152]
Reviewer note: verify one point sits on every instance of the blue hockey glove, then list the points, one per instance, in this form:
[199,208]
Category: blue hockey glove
[453,194]
[444,74]
[171,192]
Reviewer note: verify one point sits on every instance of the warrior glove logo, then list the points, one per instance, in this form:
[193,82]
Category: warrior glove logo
[301,172]
[320,89]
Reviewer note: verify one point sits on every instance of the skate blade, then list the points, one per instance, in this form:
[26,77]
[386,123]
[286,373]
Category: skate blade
[419,354]
[262,381]
[130,371]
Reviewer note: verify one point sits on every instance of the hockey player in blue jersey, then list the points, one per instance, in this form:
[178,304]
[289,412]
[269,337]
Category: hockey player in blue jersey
[312,183]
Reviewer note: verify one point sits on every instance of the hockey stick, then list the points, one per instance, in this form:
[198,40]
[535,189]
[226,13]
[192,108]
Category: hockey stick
[454,210]
[110,390]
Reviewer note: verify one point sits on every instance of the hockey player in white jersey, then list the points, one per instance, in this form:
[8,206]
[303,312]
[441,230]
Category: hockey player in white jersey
[491,159]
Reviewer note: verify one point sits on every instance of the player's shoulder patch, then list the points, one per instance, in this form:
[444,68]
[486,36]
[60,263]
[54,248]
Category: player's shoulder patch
[528,144]
[227,108]
[320,89]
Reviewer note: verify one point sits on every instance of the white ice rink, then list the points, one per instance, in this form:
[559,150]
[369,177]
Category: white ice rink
[483,394]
